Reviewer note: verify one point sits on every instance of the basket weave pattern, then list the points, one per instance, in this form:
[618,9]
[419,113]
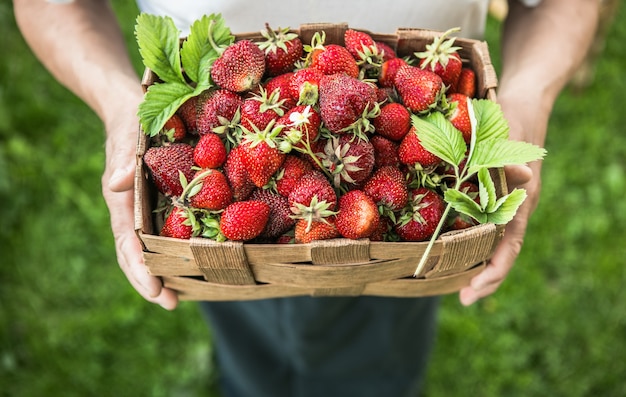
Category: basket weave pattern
[202,269]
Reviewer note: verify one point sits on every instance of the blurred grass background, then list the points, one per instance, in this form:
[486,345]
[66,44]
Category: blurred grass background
[71,325]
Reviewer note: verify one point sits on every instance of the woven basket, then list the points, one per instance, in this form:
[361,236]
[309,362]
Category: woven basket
[201,269]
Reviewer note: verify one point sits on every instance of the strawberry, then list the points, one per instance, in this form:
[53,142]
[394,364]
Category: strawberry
[280,220]
[420,90]
[350,161]
[282,84]
[282,50]
[210,151]
[385,152]
[291,171]
[174,128]
[388,188]
[217,108]
[388,71]
[358,216]
[330,58]
[177,224]
[261,109]
[442,58]
[357,43]
[240,67]
[317,230]
[262,157]
[393,122]
[420,218]
[466,83]
[459,115]
[385,51]
[244,220]
[208,190]
[313,185]
[411,151]
[301,126]
[347,103]
[188,113]
[384,230]
[238,178]
[304,85]
[166,163]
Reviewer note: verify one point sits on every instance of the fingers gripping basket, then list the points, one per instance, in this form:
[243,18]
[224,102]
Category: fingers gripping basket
[201,269]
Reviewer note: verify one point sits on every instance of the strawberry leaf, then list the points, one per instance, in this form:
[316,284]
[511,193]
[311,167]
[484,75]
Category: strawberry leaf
[439,137]
[157,38]
[506,207]
[463,203]
[198,51]
[497,153]
[486,190]
[161,102]
[490,120]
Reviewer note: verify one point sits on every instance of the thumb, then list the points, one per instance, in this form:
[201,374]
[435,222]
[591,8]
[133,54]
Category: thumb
[121,164]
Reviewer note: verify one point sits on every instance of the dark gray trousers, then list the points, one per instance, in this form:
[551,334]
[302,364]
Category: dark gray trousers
[322,347]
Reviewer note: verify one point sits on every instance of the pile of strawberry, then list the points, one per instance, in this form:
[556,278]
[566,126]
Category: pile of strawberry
[297,142]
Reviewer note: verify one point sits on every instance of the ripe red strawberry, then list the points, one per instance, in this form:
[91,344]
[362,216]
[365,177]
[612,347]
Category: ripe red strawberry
[358,215]
[174,129]
[166,162]
[317,230]
[388,188]
[301,126]
[262,157]
[442,58]
[385,51]
[188,112]
[420,90]
[459,115]
[411,151]
[177,224]
[244,220]
[259,110]
[388,71]
[346,103]
[280,220]
[467,83]
[282,50]
[331,58]
[304,85]
[282,84]
[393,122]
[313,185]
[240,67]
[289,174]
[238,178]
[210,151]
[357,43]
[214,193]
[216,108]
[420,218]
[385,152]
[349,160]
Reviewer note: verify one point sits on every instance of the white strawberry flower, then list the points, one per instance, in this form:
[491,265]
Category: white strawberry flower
[299,118]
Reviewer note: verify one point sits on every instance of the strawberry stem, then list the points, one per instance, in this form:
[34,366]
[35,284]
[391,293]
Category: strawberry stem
[431,242]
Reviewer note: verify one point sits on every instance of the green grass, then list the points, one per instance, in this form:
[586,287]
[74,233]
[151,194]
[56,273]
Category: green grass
[71,325]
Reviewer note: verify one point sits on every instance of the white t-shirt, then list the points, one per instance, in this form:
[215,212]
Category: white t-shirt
[385,17]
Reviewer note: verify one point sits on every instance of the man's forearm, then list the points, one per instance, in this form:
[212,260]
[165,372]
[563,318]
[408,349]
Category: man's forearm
[80,43]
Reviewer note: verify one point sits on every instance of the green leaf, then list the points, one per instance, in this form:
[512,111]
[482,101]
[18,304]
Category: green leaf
[497,153]
[199,49]
[507,207]
[158,40]
[161,102]
[487,190]
[439,137]
[490,120]
[463,203]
